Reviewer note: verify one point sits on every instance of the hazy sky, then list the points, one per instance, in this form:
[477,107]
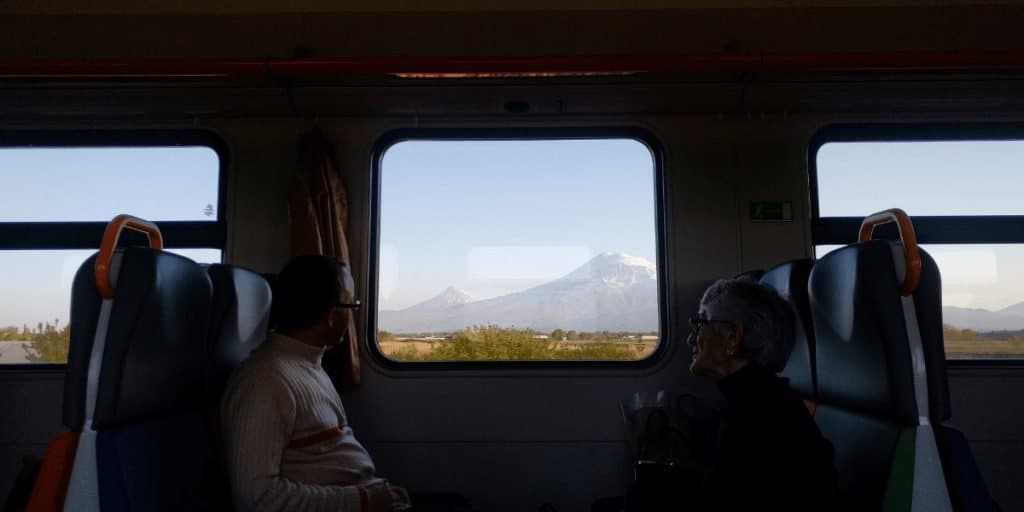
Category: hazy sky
[495,217]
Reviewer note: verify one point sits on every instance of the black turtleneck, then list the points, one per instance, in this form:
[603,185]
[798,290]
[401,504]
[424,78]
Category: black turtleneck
[771,454]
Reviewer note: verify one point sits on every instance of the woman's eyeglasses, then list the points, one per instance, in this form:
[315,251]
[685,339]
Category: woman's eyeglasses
[696,322]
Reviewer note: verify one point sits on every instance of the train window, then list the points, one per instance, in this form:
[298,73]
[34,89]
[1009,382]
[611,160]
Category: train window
[62,189]
[517,249]
[959,185]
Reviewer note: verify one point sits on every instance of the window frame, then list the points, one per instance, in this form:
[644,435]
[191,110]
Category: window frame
[50,235]
[930,229]
[395,136]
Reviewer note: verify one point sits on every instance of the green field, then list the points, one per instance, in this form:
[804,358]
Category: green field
[968,344]
[982,349]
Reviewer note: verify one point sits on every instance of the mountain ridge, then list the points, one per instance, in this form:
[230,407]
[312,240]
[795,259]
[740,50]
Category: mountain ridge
[611,291]
[983,320]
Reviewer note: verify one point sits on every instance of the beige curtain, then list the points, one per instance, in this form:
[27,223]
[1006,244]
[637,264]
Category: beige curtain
[319,217]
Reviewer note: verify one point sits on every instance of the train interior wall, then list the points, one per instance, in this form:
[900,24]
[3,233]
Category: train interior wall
[514,439]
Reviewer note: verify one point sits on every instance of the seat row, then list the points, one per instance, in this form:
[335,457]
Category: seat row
[870,363]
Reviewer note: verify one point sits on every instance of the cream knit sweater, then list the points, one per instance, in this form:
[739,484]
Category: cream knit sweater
[288,442]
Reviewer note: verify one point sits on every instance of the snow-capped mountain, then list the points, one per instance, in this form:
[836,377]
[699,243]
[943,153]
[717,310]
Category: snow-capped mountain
[614,292]
[450,297]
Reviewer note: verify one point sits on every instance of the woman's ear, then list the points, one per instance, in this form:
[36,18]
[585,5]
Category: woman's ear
[735,337]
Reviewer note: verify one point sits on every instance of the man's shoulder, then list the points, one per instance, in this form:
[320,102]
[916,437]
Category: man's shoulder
[259,370]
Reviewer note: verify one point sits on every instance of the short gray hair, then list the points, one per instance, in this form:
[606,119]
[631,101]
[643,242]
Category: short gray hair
[768,320]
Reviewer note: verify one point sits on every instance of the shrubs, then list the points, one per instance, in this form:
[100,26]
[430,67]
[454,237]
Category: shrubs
[49,342]
[493,343]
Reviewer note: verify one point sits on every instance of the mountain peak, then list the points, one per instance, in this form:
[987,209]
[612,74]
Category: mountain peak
[1013,309]
[452,291]
[623,258]
[451,296]
[614,266]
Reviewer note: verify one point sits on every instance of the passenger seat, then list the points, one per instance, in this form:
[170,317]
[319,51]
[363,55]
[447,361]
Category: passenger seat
[882,381]
[133,379]
[239,320]
[869,407]
[790,281]
[150,448]
[238,325]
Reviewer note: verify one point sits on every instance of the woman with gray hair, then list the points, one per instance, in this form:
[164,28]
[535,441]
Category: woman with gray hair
[771,454]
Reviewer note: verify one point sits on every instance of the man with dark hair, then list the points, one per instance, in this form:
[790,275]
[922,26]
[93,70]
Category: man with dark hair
[289,444]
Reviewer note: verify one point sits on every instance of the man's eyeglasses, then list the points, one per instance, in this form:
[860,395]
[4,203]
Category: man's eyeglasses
[348,305]
[696,322]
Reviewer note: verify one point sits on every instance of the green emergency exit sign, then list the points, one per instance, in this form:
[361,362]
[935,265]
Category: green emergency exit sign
[771,211]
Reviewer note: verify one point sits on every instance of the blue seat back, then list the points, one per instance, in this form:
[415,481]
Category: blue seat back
[134,386]
[790,280]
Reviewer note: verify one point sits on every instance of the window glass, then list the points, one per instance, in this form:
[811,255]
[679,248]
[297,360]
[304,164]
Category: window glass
[506,250]
[69,184]
[946,177]
[36,294]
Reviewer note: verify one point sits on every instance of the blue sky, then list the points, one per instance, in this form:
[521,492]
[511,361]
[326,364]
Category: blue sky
[493,217]
[923,178]
[95,184]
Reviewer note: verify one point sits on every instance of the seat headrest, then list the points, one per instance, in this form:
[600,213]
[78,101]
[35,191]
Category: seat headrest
[863,356]
[241,313]
[155,344]
[790,280]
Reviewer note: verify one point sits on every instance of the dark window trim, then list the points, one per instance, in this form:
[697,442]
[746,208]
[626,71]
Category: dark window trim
[641,135]
[1002,229]
[87,235]
[963,230]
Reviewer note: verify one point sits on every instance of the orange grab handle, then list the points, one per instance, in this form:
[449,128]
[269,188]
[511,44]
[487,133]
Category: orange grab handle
[110,238]
[900,217]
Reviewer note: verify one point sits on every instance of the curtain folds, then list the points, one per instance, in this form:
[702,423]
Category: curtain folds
[319,217]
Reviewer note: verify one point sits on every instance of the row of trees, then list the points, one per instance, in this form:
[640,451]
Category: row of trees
[493,343]
[48,343]
[950,332]
[557,334]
